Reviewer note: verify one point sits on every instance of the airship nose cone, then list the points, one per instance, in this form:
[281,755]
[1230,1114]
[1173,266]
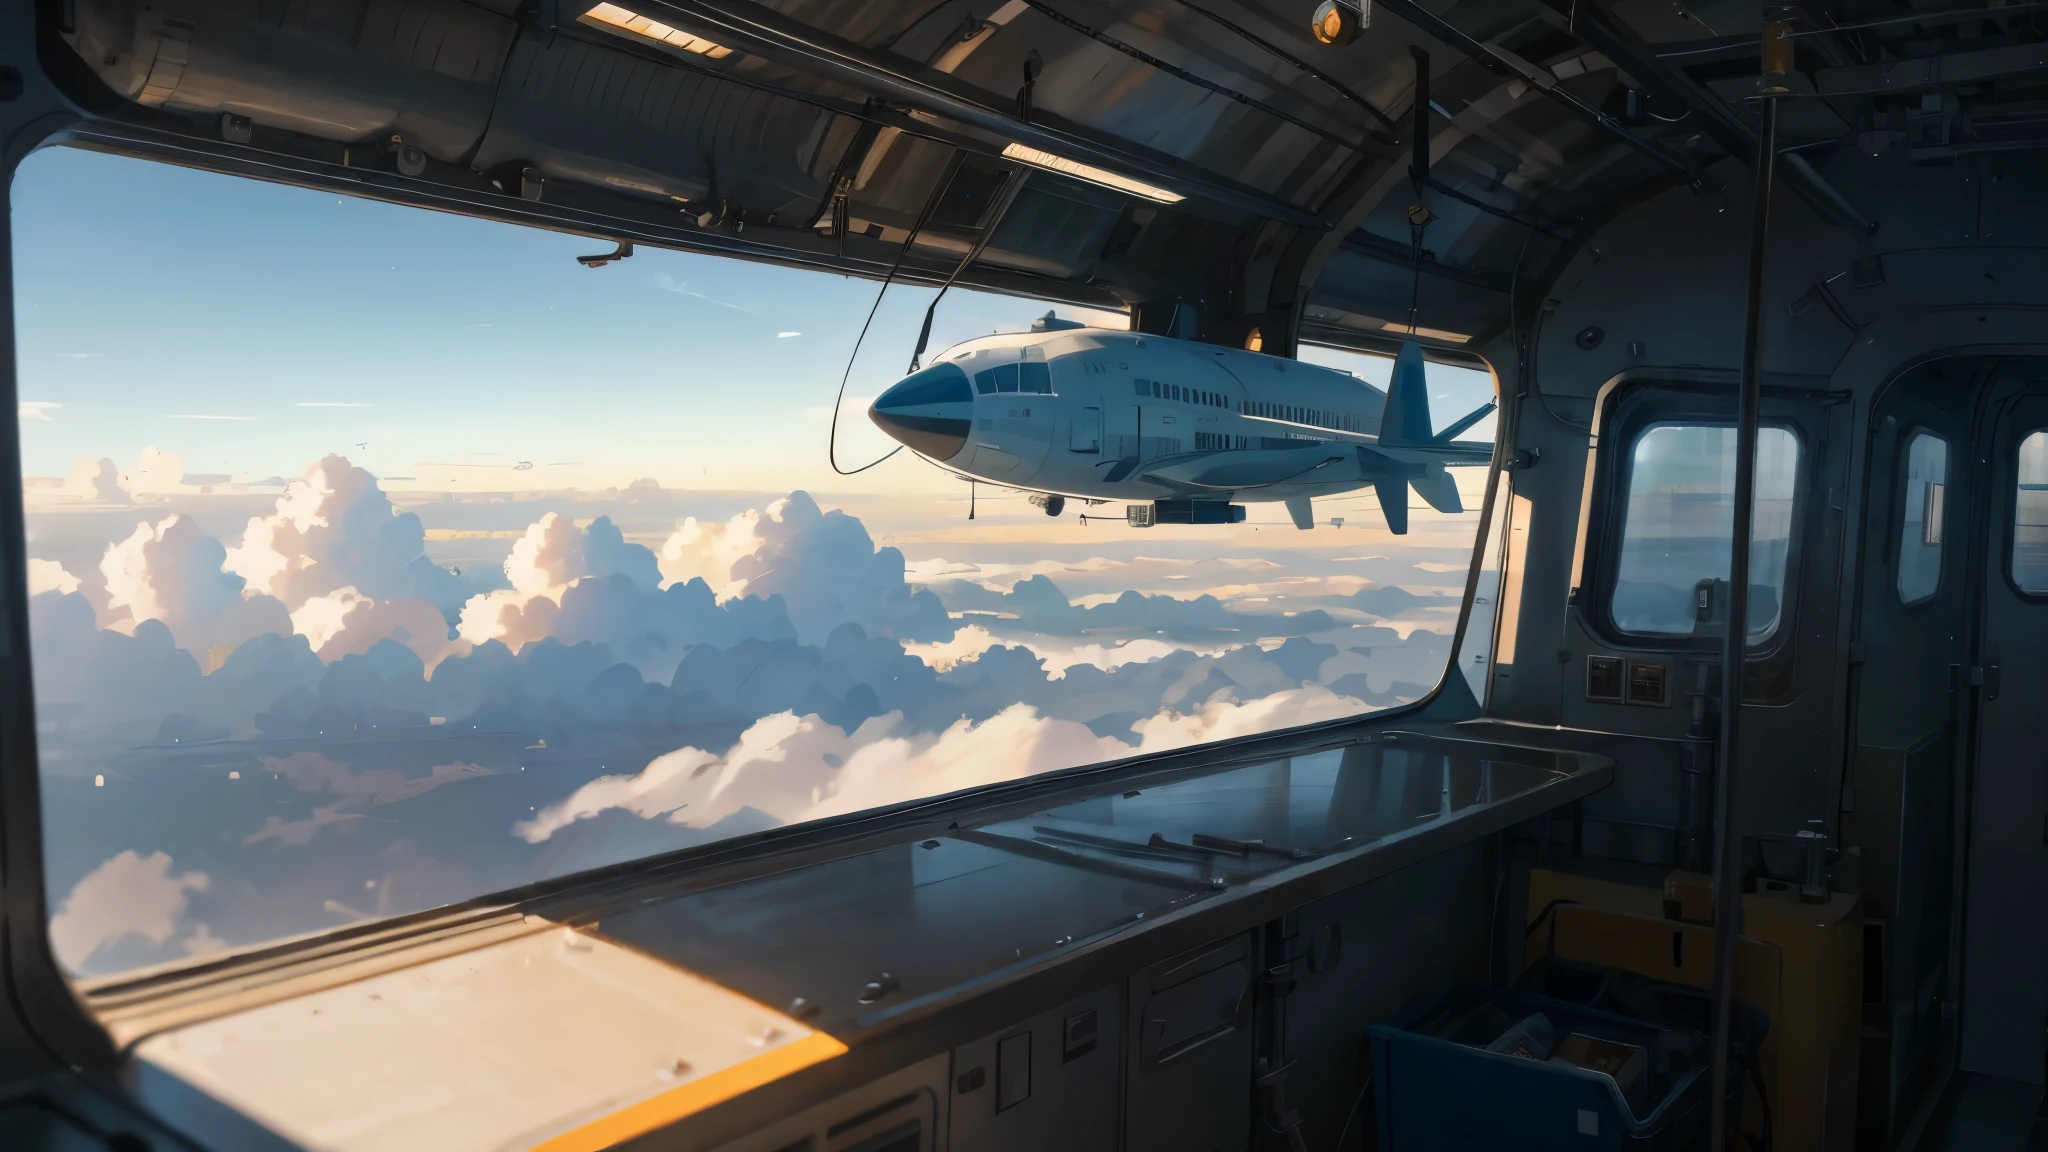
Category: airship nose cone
[930,411]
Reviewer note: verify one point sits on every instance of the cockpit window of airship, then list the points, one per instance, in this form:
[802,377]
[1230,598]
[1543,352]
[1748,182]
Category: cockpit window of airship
[383,558]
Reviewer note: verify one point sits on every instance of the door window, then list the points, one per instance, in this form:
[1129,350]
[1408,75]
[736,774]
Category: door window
[1681,510]
[1920,518]
[2030,516]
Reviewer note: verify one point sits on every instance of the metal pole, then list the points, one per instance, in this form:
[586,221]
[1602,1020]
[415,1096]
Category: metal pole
[1728,847]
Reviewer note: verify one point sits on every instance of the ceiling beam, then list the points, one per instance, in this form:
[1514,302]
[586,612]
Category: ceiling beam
[1507,64]
[1402,257]
[579,209]
[771,35]
[1918,74]
[1732,131]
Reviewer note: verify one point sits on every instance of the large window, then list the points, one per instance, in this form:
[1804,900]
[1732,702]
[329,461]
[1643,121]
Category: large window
[1678,522]
[1922,517]
[383,558]
[2030,516]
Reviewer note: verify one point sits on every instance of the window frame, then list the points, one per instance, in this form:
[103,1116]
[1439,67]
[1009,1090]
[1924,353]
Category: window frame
[2010,498]
[1632,409]
[1901,494]
[56,1001]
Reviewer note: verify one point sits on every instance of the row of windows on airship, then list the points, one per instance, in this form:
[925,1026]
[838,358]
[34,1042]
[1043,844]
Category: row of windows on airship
[1036,378]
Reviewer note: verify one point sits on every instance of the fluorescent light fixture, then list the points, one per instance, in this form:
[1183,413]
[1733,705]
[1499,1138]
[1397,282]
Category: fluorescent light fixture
[1090,173]
[1443,334]
[626,21]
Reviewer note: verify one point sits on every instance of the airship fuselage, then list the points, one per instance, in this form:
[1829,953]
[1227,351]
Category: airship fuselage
[1119,416]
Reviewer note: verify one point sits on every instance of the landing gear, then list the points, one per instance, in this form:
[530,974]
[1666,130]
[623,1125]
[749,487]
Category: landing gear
[1053,505]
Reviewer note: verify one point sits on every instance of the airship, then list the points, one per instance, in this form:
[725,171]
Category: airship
[1178,432]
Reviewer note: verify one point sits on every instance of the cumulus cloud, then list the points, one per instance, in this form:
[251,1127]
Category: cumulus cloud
[708,550]
[170,571]
[1223,718]
[555,553]
[794,768]
[509,616]
[129,894]
[1104,656]
[345,622]
[99,683]
[945,655]
[796,669]
[97,480]
[970,642]
[652,630]
[799,767]
[823,564]
[155,473]
[334,528]
[49,576]
[544,562]
[581,585]
[1038,606]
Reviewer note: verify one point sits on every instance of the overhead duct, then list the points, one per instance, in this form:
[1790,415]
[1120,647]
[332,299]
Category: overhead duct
[425,71]
[588,112]
[454,81]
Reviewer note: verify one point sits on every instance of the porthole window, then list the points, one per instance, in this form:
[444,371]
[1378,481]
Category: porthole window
[2030,516]
[1921,517]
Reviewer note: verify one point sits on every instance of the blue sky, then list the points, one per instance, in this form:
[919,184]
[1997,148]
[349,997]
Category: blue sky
[429,336]
[253,327]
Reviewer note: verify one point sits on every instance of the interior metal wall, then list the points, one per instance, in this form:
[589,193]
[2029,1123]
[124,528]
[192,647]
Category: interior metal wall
[1663,282]
[1135,1081]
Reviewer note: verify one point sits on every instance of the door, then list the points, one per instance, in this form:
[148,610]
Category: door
[1912,612]
[1086,433]
[2005,959]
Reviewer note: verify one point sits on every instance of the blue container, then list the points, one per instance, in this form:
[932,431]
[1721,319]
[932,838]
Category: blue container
[1437,1088]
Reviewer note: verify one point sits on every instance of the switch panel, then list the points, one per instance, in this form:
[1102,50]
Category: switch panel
[1604,681]
[1649,683]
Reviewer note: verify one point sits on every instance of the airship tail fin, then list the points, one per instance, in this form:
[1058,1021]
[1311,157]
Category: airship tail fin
[1438,488]
[1393,495]
[1465,422]
[1404,423]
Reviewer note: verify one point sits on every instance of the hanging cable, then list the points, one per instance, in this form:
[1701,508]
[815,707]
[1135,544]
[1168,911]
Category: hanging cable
[923,217]
[1012,185]
[1493,210]
[1415,227]
[1033,65]
[1418,177]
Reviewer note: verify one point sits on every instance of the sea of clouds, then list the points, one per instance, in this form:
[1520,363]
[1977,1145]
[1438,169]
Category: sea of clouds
[318,723]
